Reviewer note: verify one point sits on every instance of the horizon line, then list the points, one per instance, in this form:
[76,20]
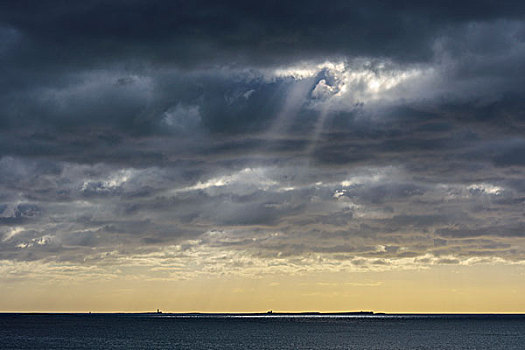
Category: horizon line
[268,313]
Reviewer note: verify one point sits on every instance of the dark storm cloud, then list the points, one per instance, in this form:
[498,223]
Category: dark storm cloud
[130,126]
[517,230]
[209,32]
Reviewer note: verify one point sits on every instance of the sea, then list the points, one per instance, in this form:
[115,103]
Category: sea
[226,331]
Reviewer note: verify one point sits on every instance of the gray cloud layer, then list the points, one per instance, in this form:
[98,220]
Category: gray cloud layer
[373,130]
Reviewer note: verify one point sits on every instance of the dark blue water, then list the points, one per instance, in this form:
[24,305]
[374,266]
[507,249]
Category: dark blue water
[76,331]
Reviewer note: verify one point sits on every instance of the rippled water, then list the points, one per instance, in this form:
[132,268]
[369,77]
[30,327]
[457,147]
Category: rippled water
[140,331]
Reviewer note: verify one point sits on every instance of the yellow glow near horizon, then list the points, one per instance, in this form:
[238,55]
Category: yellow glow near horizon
[441,289]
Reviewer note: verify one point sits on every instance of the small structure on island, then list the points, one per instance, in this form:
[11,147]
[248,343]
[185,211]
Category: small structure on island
[270,312]
[158,311]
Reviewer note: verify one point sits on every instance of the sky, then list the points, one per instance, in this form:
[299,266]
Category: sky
[226,156]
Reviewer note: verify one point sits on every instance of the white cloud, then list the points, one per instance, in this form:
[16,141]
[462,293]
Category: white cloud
[243,180]
[182,117]
[485,188]
[13,231]
[343,84]
[110,183]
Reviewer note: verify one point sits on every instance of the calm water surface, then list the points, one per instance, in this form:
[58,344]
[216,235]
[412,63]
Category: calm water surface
[127,331]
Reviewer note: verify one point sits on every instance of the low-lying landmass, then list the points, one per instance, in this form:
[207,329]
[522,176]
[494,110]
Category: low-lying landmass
[273,313]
